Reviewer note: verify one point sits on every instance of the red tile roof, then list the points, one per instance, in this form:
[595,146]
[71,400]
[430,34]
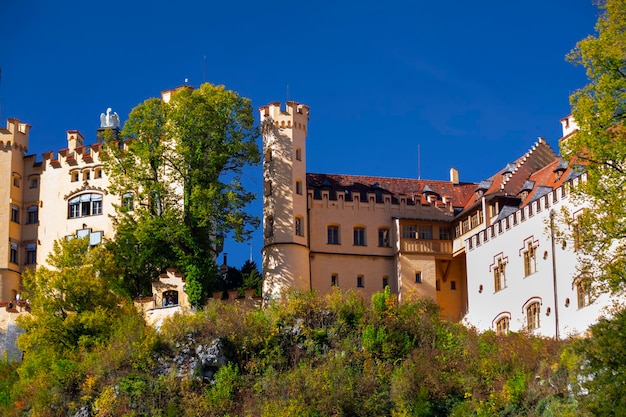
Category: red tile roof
[456,194]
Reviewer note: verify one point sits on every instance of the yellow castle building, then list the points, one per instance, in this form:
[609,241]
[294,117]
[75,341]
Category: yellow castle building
[355,232]
[61,196]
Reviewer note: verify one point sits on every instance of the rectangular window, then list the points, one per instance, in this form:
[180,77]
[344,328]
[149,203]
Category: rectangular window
[409,231]
[530,260]
[34,182]
[299,227]
[86,175]
[128,203]
[453,285]
[499,276]
[333,235]
[299,187]
[359,281]
[385,282]
[334,280]
[31,254]
[298,154]
[74,176]
[13,253]
[16,180]
[359,236]
[583,294]
[269,226]
[425,232]
[15,213]
[445,233]
[96,207]
[418,277]
[33,214]
[98,173]
[383,237]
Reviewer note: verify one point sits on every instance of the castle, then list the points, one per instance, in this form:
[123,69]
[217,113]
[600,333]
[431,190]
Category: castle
[486,253]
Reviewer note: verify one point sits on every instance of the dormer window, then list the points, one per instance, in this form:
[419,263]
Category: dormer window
[526,189]
[559,170]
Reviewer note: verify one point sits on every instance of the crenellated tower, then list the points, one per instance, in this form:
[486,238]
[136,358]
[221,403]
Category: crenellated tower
[285,221]
[13,148]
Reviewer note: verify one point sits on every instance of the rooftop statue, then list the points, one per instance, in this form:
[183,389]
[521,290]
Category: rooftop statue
[109,120]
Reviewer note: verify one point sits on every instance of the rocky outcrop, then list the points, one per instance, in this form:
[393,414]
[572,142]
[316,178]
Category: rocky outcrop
[196,360]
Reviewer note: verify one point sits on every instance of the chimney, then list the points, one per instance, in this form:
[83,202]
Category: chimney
[454,176]
[74,140]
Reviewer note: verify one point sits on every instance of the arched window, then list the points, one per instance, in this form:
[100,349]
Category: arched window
[502,325]
[533,311]
[89,204]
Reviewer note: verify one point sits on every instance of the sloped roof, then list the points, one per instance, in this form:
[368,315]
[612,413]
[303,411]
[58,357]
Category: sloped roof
[546,179]
[458,195]
[510,180]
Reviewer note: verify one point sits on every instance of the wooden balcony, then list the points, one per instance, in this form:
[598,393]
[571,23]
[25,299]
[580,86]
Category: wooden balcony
[426,246]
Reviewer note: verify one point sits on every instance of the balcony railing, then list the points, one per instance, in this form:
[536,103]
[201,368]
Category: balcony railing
[426,246]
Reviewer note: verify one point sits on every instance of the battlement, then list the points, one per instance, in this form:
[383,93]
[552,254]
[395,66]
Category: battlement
[72,156]
[15,134]
[293,116]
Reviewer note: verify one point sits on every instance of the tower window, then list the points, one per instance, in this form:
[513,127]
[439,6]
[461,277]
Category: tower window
[269,226]
[334,280]
[15,213]
[418,277]
[33,214]
[299,226]
[359,281]
[31,254]
[298,154]
[13,253]
[299,187]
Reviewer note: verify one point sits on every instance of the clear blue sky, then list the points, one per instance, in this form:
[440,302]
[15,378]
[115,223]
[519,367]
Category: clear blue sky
[473,84]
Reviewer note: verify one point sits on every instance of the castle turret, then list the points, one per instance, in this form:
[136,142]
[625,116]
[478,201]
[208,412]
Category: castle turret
[285,222]
[13,147]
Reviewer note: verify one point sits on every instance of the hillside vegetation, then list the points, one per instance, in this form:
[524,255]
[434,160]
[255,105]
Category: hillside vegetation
[307,355]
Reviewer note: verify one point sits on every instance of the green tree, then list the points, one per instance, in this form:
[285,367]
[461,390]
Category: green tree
[74,301]
[252,277]
[601,366]
[600,145]
[182,166]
